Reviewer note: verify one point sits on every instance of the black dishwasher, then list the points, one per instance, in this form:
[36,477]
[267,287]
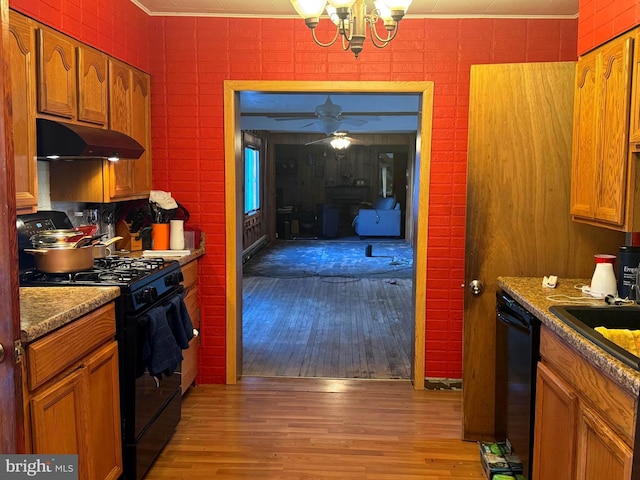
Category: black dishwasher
[523,353]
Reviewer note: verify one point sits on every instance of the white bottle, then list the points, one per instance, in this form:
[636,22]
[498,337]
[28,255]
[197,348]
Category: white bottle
[603,282]
[176,235]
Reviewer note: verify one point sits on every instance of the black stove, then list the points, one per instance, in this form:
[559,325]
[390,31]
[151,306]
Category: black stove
[141,280]
[150,405]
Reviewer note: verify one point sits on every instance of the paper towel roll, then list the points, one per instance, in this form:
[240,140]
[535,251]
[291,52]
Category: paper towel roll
[176,239]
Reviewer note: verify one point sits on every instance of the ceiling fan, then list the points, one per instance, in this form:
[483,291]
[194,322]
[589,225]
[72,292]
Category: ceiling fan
[329,117]
[339,140]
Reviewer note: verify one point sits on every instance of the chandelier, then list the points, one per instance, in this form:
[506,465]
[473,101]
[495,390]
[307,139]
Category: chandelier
[351,20]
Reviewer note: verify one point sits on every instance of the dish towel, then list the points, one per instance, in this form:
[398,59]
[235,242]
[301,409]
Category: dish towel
[624,338]
[161,354]
[180,321]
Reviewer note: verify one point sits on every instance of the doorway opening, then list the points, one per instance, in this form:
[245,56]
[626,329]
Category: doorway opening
[417,206]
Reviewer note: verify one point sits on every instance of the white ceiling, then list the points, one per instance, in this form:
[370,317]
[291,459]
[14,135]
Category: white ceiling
[419,8]
[361,113]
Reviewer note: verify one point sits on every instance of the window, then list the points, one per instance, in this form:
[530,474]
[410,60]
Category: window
[251,179]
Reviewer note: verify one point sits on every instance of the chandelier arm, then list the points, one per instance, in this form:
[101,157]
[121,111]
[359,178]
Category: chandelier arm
[379,41]
[335,38]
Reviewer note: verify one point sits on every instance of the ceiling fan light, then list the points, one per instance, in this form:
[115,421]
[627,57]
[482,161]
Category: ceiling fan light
[340,143]
[309,8]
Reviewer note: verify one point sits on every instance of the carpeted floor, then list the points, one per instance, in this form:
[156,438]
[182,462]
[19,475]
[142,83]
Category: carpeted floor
[333,258]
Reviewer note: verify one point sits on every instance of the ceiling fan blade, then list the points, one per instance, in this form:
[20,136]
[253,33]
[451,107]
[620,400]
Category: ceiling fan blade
[326,141]
[354,121]
[289,119]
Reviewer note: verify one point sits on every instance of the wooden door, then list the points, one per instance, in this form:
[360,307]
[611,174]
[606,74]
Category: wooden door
[11,418]
[601,453]
[121,179]
[22,65]
[634,132]
[92,86]
[614,79]
[58,418]
[518,222]
[554,449]
[141,131]
[56,74]
[103,435]
[584,170]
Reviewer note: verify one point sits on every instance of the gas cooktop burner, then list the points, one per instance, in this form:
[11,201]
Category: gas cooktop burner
[112,270]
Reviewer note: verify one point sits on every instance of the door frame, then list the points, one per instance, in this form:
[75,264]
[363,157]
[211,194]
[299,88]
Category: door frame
[418,196]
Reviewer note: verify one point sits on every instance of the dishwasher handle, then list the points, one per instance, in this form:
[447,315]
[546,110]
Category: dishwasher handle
[513,321]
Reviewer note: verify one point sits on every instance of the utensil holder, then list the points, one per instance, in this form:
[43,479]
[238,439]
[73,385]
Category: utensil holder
[160,236]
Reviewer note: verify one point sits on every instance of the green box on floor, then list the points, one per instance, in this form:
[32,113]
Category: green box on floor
[498,462]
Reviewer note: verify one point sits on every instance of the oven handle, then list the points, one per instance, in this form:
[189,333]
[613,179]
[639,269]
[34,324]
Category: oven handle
[142,319]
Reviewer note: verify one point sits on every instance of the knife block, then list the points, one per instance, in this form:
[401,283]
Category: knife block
[128,241]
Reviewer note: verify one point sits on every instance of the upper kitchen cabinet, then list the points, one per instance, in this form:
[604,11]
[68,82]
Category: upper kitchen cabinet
[57,77]
[22,46]
[92,86]
[130,113]
[102,181]
[601,166]
[72,79]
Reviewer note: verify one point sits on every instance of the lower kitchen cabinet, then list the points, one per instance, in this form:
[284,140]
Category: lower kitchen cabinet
[190,356]
[585,422]
[73,404]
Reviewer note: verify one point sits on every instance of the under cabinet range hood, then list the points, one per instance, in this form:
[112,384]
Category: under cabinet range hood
[66,141]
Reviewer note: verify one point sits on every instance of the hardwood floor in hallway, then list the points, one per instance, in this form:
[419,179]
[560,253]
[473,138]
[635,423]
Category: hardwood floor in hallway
[299,428]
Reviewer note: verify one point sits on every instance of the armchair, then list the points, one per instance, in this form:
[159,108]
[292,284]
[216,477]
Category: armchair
[383,220]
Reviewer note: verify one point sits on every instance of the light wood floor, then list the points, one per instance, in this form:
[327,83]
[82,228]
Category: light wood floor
[298,428]
[327,327]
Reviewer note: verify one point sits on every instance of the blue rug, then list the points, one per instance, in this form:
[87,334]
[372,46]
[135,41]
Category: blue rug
[333,258]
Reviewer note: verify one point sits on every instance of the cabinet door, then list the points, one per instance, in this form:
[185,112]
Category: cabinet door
[56,74]
[614,79]
[141,130]
[554,446]
[59,415]
[22,67]
[601,453]
[92,86]
[634,133]
[583,169]
[103,430]
[121,186]
[190,356]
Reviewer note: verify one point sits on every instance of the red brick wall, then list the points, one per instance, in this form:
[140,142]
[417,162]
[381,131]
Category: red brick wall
[601,20]
[189,58]
[117,27]
[192,56]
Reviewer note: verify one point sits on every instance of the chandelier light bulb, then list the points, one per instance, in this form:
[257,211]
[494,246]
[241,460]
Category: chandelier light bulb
[342,3]
[309,8]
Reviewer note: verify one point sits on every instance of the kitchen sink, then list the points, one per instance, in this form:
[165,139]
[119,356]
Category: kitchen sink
[583,319]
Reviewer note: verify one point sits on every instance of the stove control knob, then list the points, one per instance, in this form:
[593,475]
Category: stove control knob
[148,295]
[174,279]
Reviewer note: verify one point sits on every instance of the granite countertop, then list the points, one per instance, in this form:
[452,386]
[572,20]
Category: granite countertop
[529,292]
[44,309]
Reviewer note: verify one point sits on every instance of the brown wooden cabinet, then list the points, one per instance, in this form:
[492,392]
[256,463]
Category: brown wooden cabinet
[190,356]
[22,48]
[634,131]
[585,422]
[57,74]
[127,179]
[130,113]
[600,192]
[73,403]
[92,86]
